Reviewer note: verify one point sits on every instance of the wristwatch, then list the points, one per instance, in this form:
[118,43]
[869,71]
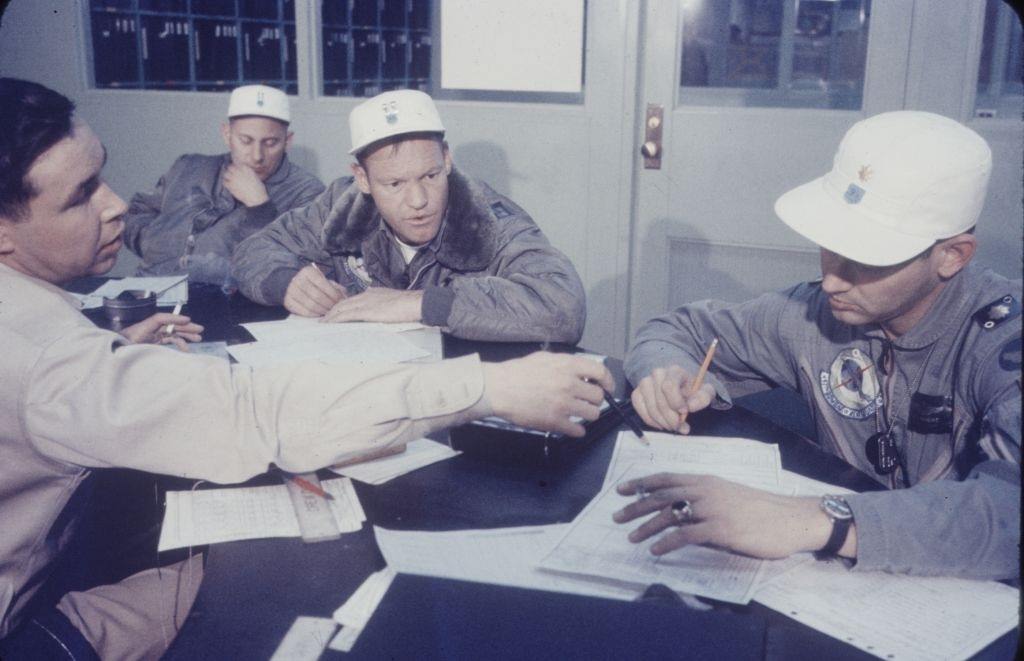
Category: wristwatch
[838,511]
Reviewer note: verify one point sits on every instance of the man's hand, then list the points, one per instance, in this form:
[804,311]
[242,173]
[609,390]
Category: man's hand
[152,330]
[543,390]
[379,304]
[244,185]
[663,398]
[726,515]
[310,294]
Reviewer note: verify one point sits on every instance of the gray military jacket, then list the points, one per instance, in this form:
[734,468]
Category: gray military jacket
[950,388]
[489,274]
[191,223]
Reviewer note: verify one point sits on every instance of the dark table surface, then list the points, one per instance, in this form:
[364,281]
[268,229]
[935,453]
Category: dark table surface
[253,590]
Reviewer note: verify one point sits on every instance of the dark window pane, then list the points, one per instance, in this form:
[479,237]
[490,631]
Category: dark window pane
[334,12]
[393,14]
[291,72]
[335,44]
[419,66]
[419,17]
[115,49]
[214,7]
[258,9]
[364,13]
[164,50]
[107,5]
[165,6]
[261,45]
[395,53]
[366,54]
[216,50]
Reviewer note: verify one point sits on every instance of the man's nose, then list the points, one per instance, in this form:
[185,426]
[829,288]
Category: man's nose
[257,153]
[416,195]
[113,207]
[834,276]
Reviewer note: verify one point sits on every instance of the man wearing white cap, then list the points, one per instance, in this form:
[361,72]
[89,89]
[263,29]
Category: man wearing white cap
[205,205]
[410,238]
[908,356]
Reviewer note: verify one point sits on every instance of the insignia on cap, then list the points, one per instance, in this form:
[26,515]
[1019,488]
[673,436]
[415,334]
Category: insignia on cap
[259,98]
[391,112]
[864,173]
[853,194]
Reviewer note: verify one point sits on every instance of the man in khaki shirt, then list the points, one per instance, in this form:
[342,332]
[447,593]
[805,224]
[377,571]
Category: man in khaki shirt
[75,397]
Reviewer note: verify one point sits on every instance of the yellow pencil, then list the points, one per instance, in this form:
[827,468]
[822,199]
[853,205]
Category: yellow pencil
[699,381]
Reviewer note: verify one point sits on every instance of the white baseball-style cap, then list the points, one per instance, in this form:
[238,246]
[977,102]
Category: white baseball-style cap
[900,182]
[259,100]
[390,114]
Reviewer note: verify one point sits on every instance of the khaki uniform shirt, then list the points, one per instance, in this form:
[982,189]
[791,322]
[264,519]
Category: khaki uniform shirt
[75,397]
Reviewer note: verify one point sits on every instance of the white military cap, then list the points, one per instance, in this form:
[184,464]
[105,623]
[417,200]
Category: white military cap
[259,100]
[390,114]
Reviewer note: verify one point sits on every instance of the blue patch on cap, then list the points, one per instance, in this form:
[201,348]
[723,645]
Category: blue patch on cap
[853,194]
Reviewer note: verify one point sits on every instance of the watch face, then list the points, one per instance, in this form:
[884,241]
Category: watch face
[836,507]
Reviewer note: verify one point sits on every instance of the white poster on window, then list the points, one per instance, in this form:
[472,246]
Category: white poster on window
[523,46]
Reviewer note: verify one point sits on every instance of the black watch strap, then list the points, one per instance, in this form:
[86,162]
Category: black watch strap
[840,530]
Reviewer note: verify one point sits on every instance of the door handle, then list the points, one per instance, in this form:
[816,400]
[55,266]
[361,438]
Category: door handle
[651,149]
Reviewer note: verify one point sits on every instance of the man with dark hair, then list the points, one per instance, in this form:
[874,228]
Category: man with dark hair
[908,357]
[74,397]
[205,205]
[410,238]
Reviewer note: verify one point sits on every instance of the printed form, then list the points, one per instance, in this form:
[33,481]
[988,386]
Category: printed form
[210,516]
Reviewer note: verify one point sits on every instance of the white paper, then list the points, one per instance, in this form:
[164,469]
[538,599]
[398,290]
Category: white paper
[345,639]
[794,484]
[359,608]
[502,556]
[895,616]
[740,460]
[305,639]
[419,453]
[597,546]
[358,347]
[210,516]
[527,45]
[298,328]
[173,290]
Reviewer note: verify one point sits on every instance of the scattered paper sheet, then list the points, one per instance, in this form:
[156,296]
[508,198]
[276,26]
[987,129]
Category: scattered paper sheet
[359,608]
[298,328]
[894,616]
[501,556]
[597,546]
[794,484]
[305,639]
[345,639]
[419,453]
[210,516]
[753,463]
[351,347]
[215,349]
[172,290]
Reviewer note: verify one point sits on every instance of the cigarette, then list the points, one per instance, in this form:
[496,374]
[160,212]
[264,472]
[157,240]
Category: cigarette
[169,328]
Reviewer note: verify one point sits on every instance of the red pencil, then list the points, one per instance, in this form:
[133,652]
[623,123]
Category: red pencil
[310,487]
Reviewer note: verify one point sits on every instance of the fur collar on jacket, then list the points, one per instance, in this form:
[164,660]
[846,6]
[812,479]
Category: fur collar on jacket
[468,238]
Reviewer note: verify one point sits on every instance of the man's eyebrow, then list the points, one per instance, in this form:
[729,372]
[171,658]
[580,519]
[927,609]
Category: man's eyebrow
[87,187]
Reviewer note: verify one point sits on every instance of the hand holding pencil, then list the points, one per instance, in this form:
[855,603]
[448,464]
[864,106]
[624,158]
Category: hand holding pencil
[665,397]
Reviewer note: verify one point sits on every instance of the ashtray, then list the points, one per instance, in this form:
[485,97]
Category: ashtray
[129,307]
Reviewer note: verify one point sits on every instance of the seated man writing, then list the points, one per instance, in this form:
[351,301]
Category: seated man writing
[908,356]
[410,238]
[205,205]
[75,397]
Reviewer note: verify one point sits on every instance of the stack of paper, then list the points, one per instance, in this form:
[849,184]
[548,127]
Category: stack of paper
[419,453]
[502,556]
[354,614]
[210,516]
[299,328]
[170,290]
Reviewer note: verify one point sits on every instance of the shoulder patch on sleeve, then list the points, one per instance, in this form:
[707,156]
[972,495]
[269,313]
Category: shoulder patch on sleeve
[499,209]
[1010,356]
[997,312]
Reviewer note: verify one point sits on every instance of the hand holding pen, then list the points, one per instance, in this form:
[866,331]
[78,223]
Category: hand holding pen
[665,397]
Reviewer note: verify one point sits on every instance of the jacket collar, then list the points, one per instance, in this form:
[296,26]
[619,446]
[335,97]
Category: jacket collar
[467,239]
[950,308]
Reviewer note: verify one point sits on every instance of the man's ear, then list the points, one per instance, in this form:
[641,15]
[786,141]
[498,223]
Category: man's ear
[6,238]
[225,133]
[362,179]
[954,254]
[447,158]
